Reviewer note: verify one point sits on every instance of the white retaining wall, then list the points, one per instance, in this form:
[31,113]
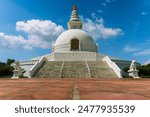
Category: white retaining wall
[113,66]
[36,66]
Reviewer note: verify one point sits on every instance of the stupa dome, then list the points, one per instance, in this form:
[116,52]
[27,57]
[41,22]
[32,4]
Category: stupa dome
[75,40]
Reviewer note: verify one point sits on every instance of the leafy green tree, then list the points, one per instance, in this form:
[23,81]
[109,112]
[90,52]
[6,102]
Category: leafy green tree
[5,69]
[9,61]
[144,70]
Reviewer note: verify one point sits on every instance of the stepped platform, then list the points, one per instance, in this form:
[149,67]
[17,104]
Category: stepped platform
[75,69]
[50,70]
[100,69]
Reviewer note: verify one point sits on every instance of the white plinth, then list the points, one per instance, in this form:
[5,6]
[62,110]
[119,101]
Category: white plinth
[15,74]
[133,73]
[73,56]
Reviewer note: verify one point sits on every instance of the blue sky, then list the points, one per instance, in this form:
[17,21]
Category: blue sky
[120,27]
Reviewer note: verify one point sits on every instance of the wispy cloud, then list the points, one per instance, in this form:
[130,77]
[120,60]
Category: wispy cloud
[130,49]
[98,30]
[100,11]
[142,52]
[107,2]
[104,4]
[140,49]
[144,13]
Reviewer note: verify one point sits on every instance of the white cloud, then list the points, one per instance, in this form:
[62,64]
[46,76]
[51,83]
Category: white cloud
[143,52]
[139,49]
[111,32]
[98,30]
[40,33]
[11,41]
[130,49]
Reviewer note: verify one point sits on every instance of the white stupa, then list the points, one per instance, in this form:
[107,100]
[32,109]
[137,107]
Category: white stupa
[73,45]
[75,39]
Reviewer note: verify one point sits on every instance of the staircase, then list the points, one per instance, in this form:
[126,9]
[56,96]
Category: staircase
[100,69]
[75,69]
[50,70]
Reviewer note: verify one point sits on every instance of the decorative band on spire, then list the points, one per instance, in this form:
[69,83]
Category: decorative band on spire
[74,15]
[74,22]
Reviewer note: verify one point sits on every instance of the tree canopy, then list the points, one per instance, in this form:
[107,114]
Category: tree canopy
[5,69]
[144,70]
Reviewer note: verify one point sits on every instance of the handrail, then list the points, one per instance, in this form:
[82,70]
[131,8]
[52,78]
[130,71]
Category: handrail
[29,62]
[113,66]
[36,66]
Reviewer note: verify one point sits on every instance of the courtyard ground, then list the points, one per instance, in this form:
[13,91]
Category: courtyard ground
[76,89]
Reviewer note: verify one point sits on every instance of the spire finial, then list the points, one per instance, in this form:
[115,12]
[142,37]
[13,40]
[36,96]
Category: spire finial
[74,15]
[74,22]
[75,7]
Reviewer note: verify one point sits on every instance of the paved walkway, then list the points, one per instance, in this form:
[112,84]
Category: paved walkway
[76,89]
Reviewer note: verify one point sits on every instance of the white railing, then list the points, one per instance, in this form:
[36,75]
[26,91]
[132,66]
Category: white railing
[28,62]
[113,66]
[50,57]
[36,66]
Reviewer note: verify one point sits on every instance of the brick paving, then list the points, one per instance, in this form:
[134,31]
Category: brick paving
[68,89]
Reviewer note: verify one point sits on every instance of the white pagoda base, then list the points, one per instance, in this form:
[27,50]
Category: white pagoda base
[133,73]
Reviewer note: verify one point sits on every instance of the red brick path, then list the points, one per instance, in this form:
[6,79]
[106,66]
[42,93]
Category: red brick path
[67,89]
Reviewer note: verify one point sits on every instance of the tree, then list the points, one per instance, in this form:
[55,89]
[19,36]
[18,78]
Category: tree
[9,61]
[144,70]
[5,69]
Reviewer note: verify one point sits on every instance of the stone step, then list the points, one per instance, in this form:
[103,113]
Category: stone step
[50,70]
[76,69]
